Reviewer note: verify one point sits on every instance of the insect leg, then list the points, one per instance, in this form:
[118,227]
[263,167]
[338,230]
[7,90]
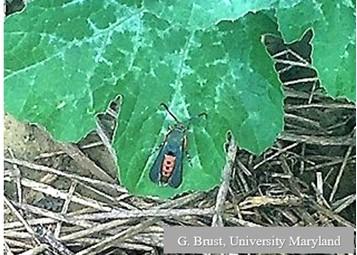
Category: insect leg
[189,159]
[157,148]
[184,147]
[162,143]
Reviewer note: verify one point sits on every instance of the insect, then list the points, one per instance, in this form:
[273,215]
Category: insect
[168,165]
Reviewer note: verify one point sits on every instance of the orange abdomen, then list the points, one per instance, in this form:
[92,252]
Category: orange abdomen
[168,165]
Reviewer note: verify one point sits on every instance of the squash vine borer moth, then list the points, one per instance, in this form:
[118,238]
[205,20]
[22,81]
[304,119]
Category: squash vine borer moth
[168,165]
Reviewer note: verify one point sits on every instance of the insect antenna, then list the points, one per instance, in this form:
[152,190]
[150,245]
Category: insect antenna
[194,118]
[169,112]
[202,114]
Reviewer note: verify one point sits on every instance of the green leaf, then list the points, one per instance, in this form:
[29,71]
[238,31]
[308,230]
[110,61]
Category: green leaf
[55,64]
[334,43]
[223,71]
[201,14]
[77,56]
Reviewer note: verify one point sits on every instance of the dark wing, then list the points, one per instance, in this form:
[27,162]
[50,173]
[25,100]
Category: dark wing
[155,171]
[176,177]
